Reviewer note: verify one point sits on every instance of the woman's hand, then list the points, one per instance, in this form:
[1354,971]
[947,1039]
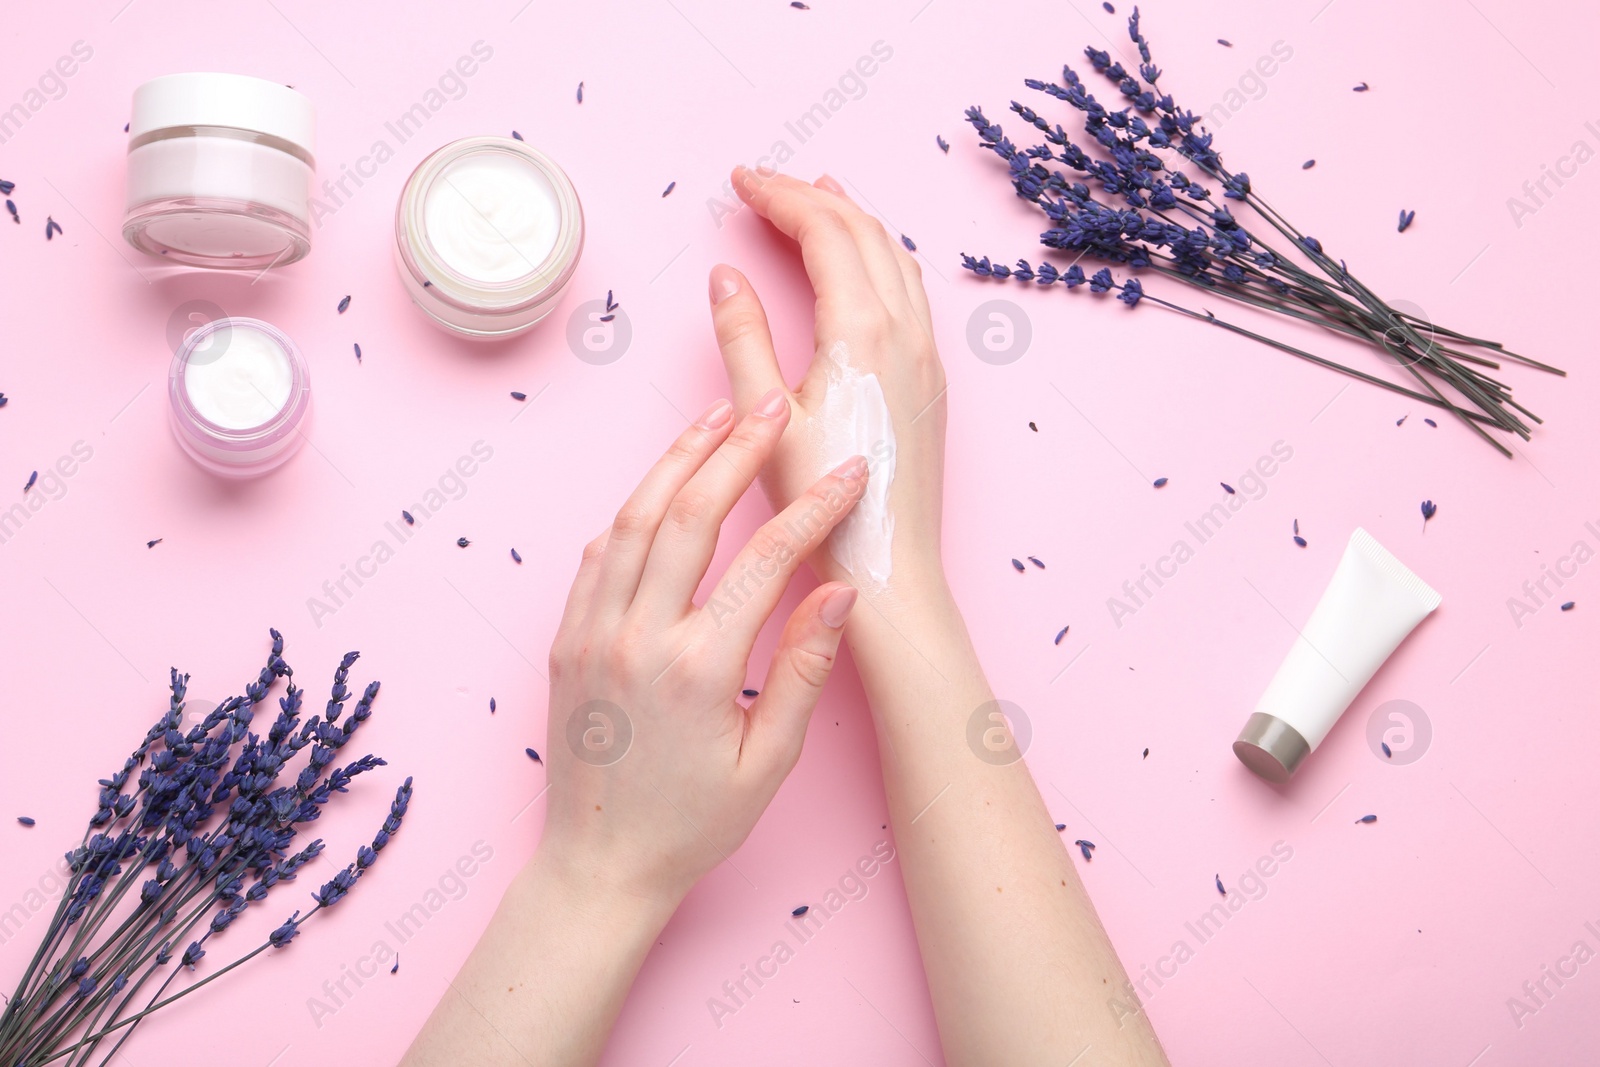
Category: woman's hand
[657,771]
[871,319]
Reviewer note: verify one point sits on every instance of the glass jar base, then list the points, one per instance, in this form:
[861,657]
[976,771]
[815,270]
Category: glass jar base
[218,233]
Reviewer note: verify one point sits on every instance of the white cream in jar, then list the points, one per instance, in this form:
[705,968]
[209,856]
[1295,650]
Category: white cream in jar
[239,394]
[487,236]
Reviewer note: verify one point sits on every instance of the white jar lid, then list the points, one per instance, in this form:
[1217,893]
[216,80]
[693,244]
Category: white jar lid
[232,100]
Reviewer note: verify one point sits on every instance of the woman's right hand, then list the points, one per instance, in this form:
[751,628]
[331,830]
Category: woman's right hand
[872,314]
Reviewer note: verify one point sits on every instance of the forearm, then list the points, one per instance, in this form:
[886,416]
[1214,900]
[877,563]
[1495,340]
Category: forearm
[546,980]
[1018,965]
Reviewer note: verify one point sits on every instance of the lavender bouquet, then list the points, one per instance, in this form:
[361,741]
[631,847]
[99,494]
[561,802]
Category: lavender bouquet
[202,834]
[1133,209]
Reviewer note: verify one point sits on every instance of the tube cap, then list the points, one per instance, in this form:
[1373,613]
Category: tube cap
[1270,747]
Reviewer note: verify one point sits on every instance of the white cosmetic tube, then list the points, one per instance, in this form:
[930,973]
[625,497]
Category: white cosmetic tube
[1369,607]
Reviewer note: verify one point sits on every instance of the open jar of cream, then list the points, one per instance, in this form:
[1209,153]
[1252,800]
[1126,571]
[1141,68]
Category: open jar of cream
[219,171]
[487,236]
[240,395]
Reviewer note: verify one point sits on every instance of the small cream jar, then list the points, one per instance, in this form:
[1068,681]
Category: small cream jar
[488,234]
[239,396]
[219,171]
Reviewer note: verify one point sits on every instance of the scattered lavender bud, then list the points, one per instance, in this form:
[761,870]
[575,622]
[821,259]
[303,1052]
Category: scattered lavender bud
[1017,563]
[26,820]
[1401,421]
[1060,826]
[1159,482]
[11,207]
[406,515]
[1405,219]
[750,692]
[1086,847]
[396,968]
[668,190]
[1147,751]
[516,557]
[1308,164]
[580,92]
[1223,43]
[798,6]
[152,544]
[427,284]
[1109,9]
[607,318]
[1297,526]
[801,910]
[944,146]
[1227,488]
[34,477]
[491,705]
[344,305]
[1221,890]
[1369,819]
[1301,541]
[1430,422]
[1429,510]
[533,755]
[1036,562]
[1363,87]
[4,400]
[358,353]
[462,542]
[1032,427]
[515,395]
[1060,636]
[6,187]
[911,246]
[515,136]
[1387,752]
[1569,605]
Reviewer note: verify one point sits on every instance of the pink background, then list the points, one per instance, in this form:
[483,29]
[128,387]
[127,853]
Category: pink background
[1395,942]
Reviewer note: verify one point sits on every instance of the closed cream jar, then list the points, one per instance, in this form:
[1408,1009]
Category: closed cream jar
[219,171]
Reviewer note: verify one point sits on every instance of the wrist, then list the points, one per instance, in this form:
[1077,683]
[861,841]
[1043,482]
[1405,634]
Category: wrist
[590,890]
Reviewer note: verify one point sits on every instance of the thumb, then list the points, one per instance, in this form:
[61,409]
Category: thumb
[801,664]
[743,336]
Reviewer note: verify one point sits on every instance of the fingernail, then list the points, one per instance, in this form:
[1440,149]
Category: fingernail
[716,416]
[827,182]
[852,468]
[772,405]
[767,171]
[836,607]
[724,282]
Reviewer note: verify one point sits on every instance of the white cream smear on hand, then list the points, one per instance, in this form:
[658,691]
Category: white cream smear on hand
[492,217]
[853,420]
[245,385]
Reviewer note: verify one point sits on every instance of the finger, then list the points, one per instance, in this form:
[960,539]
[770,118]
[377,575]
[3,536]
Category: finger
[827,246]
[755,580]
[581,594]
[800,666]
[877,245]
[743,336]
[634,529]
[688,535]
[910,269]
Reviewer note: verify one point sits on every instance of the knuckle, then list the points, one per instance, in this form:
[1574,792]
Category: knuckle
[772,546]
[734,327]
[689,508]
[810,666]
[632,522]
[594,549]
